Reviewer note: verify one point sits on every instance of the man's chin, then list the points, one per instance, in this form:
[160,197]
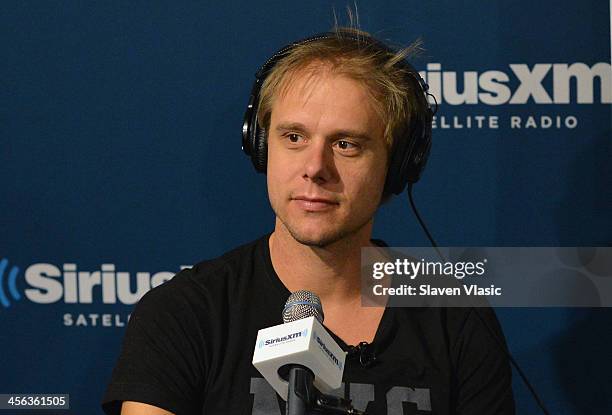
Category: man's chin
[320,234]
[317,239]
[314,239]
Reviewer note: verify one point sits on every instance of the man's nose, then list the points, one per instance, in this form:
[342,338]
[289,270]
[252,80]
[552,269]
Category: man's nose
[319,162]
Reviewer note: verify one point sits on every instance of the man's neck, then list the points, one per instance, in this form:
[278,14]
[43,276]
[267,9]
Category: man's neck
[332,272]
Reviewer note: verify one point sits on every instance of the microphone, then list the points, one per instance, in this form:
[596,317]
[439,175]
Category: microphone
[303,304]
[301,360]
[301,340]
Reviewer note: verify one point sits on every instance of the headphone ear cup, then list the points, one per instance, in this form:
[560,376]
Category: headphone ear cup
[400,164]
[393,173]
[260,150]
[419,157]
[408,158]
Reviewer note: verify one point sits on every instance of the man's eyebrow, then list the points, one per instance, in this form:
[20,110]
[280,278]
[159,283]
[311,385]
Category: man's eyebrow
[352,134]
[296,126]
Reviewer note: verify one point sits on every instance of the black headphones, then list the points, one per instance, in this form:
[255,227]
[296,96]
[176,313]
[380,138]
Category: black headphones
[408,154]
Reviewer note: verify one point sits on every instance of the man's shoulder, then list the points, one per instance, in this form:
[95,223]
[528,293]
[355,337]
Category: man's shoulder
[212,277]
[451,322]
[233,260]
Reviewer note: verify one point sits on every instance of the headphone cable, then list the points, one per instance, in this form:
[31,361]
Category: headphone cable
[416,213]
[489,329]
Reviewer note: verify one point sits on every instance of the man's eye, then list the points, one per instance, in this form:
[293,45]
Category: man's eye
[294,138]
[346,145]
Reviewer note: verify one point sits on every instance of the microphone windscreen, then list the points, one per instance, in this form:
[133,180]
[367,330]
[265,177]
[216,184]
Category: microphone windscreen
[302,304]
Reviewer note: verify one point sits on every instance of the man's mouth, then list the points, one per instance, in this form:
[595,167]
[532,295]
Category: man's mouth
[314,204]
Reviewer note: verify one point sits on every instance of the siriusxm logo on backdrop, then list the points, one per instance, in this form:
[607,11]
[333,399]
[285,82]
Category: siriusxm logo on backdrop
[284,339]
[48,284]
[540,84]
[11,283]
[491,87]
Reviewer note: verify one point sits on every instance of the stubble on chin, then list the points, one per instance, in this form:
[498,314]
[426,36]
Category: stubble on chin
[322,239]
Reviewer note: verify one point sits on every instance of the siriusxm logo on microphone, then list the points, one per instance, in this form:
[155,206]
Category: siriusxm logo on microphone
[278,340]
[328,352]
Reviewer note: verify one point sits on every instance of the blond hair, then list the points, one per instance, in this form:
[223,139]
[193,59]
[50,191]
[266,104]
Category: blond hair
[347,51]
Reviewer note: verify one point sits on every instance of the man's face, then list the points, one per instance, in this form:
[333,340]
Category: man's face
[327,158]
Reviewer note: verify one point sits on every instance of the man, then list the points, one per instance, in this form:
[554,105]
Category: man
[332,111]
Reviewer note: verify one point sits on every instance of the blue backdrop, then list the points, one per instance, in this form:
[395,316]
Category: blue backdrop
[120,153]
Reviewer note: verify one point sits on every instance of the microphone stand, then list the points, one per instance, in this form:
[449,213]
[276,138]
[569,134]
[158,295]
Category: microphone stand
[301,389]
[303,398]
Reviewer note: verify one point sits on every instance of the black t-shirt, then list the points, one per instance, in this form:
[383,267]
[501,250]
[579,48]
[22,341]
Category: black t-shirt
[189,345]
